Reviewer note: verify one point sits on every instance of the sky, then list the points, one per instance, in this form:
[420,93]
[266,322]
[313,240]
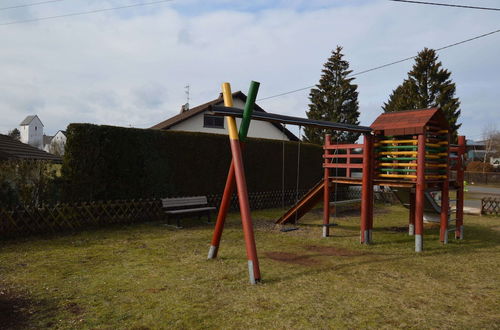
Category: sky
[129,67]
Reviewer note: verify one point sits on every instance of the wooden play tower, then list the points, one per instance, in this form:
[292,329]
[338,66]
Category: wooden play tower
[406,150]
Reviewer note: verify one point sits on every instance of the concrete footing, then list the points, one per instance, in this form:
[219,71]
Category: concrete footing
[251,274]
[212,253]
[411,229]
[326,231]
[418,243]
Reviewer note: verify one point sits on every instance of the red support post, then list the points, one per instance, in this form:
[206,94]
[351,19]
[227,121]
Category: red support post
[223,209]
[366,192]
[445,199]
[411,224]
[419,194]
[459,227]
[326,189]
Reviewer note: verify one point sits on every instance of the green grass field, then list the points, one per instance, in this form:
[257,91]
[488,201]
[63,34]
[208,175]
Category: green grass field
[151,276]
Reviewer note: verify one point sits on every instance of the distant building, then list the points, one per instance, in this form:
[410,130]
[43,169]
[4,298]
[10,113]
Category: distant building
[198,120]
[31,129]
[55,144]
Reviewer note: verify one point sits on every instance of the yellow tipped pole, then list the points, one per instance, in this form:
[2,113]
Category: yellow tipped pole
[241,185]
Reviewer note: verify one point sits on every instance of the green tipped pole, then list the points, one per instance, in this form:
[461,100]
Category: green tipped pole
[248,110]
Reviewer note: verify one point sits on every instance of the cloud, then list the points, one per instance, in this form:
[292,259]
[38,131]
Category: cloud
[130,67]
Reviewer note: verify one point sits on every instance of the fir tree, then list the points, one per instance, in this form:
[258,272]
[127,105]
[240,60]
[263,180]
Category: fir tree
[15,134]
[428,85]
[335,99]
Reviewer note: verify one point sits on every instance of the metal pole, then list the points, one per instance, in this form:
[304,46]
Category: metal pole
[230,181]
[239,171]
[419,194]
[326,189]
[459,231]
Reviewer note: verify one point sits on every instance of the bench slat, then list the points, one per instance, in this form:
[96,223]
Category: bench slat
[190,210]
[184,201]
[345,202]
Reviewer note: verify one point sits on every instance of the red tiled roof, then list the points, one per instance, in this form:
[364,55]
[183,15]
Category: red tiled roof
[409,122]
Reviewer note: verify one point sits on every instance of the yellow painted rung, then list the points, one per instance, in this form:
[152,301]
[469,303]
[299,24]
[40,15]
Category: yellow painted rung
[398,141]
[442,154]
[411,165]
[443,131]
[443,142]
[435,176]
[411,153]
[435,165]
[433,145]
[407,176]
[398,164]
[398,176]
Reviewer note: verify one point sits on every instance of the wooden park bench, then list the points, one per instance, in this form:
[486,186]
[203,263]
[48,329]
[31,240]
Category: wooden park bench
[182,206]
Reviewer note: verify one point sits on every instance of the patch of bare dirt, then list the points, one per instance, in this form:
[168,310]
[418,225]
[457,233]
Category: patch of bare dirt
[333,251]
[292,258]
[397,229]
[74,308]
[15,310]
[156,290]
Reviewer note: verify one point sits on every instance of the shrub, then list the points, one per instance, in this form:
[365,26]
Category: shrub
[106,162]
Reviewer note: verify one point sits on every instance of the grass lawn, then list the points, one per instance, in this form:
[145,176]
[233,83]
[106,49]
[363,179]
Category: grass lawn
[153,276]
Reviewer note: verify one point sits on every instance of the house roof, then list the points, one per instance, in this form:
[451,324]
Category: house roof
[29,119]
[409,122]
[47,139]
[14,149]
[166,124]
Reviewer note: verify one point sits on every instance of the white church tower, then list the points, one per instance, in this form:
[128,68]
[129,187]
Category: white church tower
[32,131]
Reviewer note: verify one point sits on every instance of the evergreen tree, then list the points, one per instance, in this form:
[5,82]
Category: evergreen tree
[335,99]
[428,85]
[15,134]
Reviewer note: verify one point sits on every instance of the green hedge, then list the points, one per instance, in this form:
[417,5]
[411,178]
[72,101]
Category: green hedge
[106,162]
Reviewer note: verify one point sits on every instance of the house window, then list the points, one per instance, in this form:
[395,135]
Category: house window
[213,121]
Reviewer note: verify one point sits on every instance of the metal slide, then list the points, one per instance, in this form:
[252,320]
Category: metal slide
[304,205]
[432,210]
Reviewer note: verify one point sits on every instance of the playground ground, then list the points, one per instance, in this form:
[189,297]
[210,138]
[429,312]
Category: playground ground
[150,276]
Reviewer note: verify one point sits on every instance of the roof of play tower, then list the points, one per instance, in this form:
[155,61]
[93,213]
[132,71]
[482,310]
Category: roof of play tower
[409,122]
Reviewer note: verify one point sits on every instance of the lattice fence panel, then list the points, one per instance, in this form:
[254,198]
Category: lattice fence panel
[490,205]
[69,217]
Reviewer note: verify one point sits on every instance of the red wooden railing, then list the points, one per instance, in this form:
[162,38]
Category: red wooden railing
[345,152]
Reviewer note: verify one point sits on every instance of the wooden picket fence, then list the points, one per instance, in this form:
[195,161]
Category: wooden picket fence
[490,205]
[24,221]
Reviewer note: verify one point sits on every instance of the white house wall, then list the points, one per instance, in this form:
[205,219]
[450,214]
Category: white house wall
[32,134]
[258,129]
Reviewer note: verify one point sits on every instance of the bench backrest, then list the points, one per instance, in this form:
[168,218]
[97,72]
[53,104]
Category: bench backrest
[184,201]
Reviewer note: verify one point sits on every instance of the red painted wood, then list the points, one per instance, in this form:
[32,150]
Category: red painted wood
[365,190]
[419,194]
[460,189]
[335,165]
[326,190]
[246,218]
[445,200]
